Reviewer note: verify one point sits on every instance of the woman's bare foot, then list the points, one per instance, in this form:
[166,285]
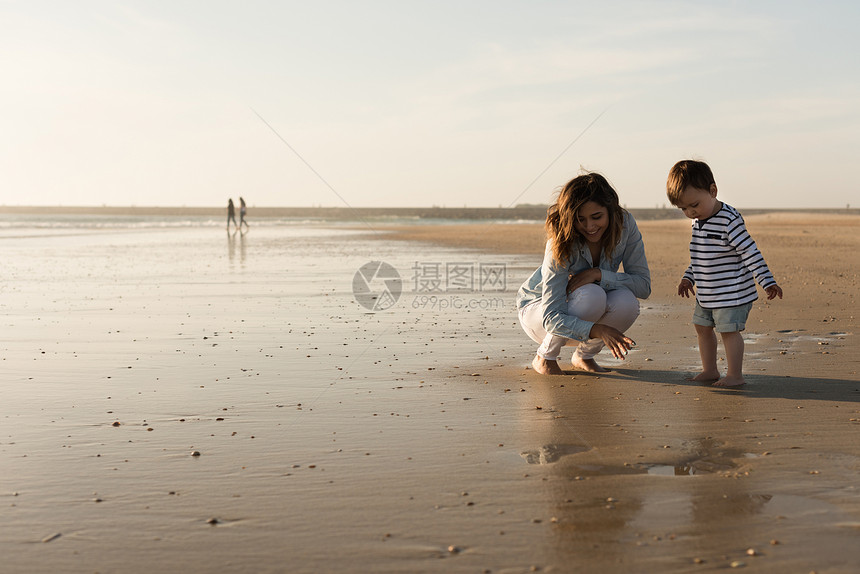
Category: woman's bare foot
[589,365]
[546,367]
[706,377]
[729,382]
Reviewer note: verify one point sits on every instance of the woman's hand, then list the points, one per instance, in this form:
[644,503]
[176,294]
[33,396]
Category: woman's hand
[614,339]
[577,280]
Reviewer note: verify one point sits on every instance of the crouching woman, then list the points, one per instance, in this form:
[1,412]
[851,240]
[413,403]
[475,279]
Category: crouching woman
[578,297]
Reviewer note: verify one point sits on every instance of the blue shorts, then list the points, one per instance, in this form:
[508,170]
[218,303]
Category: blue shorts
[725,319]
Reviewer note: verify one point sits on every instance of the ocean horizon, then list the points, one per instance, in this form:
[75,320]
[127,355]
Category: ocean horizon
[58,218]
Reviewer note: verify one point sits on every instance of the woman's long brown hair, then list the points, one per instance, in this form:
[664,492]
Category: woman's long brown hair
[561,216]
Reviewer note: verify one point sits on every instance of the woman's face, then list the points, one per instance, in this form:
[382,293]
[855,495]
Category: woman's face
[592,221]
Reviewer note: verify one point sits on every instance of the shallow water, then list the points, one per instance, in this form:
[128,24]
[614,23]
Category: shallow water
[127,350]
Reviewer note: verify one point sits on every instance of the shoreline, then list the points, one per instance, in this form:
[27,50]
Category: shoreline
[522,212]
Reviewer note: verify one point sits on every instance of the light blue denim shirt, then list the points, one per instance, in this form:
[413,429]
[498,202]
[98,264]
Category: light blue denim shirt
[548,284]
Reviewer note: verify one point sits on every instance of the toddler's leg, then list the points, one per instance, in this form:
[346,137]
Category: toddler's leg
[708,353]
[733,342]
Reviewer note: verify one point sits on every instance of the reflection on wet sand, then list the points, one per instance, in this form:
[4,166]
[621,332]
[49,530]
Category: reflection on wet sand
[704,456]
[231,246]
[550,453]
[656,509]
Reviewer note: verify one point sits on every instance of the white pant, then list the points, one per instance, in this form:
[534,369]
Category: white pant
[617,308]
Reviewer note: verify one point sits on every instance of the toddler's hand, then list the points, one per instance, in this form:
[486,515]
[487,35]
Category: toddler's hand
[773,291]
[685,288]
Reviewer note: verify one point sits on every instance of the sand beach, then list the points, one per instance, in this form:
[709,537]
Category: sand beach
[181,399]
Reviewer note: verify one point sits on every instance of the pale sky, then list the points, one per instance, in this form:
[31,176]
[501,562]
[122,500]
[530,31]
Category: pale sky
[449,103]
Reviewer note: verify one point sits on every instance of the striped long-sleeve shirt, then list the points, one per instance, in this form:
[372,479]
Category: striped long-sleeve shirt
[723,261]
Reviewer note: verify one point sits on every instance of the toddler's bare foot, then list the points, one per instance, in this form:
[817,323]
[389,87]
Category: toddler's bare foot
[589,365]
[729,382]
[706,377]
[546,367]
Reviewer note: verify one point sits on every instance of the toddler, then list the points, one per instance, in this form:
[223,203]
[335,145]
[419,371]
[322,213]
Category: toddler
[725,263]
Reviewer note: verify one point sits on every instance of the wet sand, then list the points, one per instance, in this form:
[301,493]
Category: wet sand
[414,439]
[771,467]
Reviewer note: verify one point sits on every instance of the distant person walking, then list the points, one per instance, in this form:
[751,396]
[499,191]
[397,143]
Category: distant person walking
[231,214]
[242,210]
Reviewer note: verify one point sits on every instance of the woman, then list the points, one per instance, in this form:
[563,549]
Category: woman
[578,297]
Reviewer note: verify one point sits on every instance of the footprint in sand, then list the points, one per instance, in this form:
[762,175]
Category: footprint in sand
[550,453]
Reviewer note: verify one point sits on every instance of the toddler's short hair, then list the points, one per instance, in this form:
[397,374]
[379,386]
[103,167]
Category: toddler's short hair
[685,173]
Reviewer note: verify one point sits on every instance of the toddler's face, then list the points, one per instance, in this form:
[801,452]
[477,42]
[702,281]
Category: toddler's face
[697,203]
